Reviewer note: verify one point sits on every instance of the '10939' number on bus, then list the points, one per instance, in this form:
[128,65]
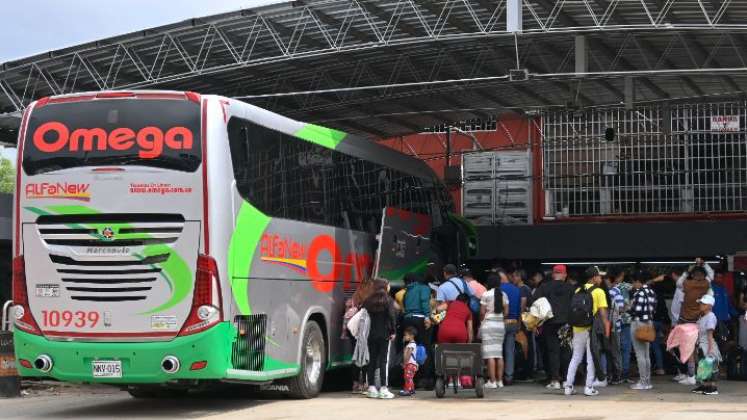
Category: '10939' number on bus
[79,319]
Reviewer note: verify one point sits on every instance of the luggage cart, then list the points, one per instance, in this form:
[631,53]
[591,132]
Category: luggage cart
[455,360]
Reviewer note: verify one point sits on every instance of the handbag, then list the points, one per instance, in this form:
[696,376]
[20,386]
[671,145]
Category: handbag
[354,322]
[349,313]
[646,333]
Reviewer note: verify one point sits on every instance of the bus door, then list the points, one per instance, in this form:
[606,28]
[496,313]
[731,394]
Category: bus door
[404,245]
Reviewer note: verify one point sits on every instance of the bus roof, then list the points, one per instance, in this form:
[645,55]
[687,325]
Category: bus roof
[333,139]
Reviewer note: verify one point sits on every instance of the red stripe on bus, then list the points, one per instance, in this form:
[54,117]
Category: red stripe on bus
[113,95]
[19,169]
[205,178]
[107,334]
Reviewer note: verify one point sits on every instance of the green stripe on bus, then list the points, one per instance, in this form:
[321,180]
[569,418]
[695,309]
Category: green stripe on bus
[250,225]
[73,359]
[419,266]
[176,269]
[72,210]
[323,136]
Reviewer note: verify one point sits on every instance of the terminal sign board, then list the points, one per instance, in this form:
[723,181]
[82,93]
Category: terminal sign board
[725,123]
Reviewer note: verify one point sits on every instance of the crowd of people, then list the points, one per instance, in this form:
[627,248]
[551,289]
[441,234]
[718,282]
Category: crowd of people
[592,327]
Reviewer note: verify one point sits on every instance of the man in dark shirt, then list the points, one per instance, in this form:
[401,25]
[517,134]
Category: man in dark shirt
[558,293]
[663,286]
[512,325]
[526,367]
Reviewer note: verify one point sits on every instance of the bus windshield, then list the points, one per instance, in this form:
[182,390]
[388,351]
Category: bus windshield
[148,132]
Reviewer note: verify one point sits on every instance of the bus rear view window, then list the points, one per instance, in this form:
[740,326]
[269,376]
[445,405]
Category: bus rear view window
[155,133]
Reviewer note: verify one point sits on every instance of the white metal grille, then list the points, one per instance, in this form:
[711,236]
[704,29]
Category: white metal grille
[497,187]
[676,159]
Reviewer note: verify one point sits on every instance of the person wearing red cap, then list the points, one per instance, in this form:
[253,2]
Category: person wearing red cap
[559,294]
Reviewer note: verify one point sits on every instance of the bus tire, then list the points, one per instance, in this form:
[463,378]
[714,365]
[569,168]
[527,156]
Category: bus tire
[308,382]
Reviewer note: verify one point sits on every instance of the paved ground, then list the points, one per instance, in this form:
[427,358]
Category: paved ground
[668,401]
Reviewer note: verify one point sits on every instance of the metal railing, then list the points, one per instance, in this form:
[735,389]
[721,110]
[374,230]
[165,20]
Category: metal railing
[652,160]
[7,321]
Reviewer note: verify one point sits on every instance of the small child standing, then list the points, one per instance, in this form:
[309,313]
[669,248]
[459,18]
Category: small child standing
[409,363]
[707,344]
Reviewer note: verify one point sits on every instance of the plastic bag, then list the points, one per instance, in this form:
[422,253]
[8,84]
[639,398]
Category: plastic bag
[705,369]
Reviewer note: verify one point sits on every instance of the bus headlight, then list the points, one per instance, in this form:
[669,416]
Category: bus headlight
[206,312]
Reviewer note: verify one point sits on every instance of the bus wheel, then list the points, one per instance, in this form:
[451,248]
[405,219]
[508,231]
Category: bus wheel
[309,381]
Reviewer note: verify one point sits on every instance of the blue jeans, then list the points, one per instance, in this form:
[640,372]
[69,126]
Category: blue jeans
[658,346]
[626,344]
[509,349]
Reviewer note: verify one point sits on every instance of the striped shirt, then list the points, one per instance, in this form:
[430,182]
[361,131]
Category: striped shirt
[625,289]
[643,304]
[617,302]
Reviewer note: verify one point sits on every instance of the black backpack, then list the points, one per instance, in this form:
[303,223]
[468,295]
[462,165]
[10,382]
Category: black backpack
[582,308]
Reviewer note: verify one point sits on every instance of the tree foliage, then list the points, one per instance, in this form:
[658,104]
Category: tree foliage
[7,176]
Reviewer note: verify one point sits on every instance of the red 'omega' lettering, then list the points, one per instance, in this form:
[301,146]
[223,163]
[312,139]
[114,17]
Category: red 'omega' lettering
[324,283]
[54,136]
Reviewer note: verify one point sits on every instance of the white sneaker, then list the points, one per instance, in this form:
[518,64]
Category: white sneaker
[600,384]
[500,384]
[679,377]
[590,392]
[372,392]
[491,385]
[689,380]
[569,390]
[554,385]
[384,394]
[639,386]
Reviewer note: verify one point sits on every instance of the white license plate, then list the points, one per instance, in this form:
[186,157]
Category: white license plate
[107,368]
[47,290]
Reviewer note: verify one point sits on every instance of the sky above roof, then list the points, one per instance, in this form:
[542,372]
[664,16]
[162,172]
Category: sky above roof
[29,27]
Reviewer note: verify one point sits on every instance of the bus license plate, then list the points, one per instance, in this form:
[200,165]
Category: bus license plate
[107,369]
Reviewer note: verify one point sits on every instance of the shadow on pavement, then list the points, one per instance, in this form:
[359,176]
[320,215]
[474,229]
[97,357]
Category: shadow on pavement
[193,405]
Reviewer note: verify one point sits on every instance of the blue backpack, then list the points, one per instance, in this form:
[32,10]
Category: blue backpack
[420,354]
[474,302]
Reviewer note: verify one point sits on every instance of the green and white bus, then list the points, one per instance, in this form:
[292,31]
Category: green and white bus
[164,240]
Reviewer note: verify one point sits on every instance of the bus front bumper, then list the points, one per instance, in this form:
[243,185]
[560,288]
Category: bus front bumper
[141,361]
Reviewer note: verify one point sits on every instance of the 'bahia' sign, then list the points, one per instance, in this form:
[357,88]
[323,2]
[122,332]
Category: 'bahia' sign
[725,123]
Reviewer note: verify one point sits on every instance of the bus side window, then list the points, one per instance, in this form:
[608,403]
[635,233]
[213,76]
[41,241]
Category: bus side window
[287,177]
[242,172]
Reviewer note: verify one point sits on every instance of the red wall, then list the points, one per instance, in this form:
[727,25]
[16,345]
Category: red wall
[513,132]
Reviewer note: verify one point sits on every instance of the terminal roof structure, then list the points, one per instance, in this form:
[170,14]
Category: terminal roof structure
[389,67]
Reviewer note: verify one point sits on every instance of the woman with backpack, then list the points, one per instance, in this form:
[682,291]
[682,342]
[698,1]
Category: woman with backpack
[382,314]
[492,330]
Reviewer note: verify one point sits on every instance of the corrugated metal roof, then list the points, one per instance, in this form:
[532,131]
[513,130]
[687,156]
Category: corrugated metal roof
[389,67]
